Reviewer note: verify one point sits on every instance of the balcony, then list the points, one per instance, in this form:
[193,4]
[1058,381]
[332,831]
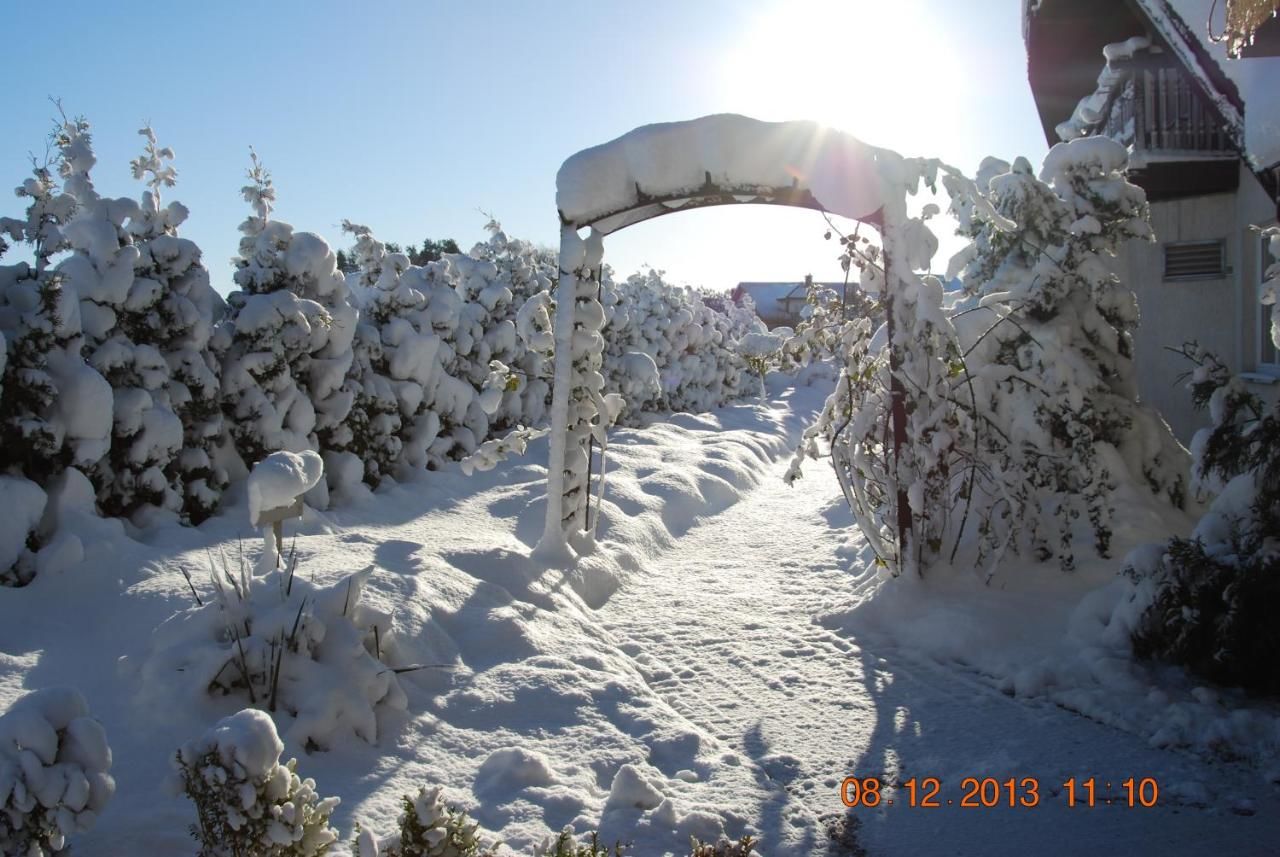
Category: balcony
[1179,145]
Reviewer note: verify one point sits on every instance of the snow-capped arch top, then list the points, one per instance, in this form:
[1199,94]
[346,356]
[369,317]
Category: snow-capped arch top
[721,159]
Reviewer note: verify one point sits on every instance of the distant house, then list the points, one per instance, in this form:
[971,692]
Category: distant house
[1203,133]
[778,304]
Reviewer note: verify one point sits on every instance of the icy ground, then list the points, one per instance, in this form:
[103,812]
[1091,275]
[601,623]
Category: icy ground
[720,665]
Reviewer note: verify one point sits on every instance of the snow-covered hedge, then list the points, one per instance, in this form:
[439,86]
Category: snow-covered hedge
[120,359]
[652,325]
[247,803]
[54,772]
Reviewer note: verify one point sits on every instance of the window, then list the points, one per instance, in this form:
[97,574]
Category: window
[1195,260]
[1268,359]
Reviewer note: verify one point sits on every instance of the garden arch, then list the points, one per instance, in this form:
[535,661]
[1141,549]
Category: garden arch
[662,169]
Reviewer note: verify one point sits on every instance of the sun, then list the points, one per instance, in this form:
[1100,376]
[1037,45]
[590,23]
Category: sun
[864,66]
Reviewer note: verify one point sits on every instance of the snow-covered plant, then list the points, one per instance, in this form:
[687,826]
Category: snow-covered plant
[54,772]
[817,336]
[287,343]
[318,654]
[692,345]
[247,803]
[762,351]
[511,281]
[496,450]
[724,848]
[410,412]
[1047,333]
[23,502]
[564,844]
[901,439]
[428,828]
[56,410]
[1209,602]
[148,311]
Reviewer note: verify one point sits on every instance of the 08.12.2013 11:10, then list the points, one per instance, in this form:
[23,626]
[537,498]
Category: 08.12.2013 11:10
[989,792]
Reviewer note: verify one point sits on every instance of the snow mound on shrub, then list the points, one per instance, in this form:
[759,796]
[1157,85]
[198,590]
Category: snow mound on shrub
[249,803]
[23,502]
[281,642]
[54,780]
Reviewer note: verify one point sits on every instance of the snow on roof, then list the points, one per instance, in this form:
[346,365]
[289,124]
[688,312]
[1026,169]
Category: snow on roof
[765,293]
[1186,24]
[767,296]
[657,168]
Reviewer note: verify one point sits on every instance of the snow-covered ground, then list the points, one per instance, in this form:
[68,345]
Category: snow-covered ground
[720,664]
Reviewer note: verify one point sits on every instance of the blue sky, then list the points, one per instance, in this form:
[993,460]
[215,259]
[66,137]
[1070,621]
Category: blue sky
[415,117]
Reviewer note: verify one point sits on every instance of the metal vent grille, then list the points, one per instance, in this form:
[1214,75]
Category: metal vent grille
[1195,260]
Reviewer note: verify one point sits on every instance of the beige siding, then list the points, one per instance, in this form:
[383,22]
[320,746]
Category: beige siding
[1221,314]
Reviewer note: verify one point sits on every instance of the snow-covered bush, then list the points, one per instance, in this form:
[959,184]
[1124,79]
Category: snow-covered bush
[411,412]
[428,828]
[54,772]
[817,334]
[906,489]
[286,344]
[511,281]
[564,845]
[744,847]
[1210,602]
[692,346]
[762,351]
[247,803]
[318,654]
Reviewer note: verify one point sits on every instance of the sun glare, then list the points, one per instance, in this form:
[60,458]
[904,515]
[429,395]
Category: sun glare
[863,66]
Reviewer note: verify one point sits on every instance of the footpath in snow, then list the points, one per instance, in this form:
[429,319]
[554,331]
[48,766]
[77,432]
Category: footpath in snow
[725,631]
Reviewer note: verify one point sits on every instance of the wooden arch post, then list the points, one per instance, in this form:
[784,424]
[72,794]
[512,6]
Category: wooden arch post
[658,170]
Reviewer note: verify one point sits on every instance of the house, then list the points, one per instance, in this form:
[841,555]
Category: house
[1203,131]
[779,304]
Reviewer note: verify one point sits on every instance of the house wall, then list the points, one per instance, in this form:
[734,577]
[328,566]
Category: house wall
[1221,314]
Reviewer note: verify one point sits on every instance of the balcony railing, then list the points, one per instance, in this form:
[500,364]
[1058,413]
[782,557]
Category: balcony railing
[1160,112]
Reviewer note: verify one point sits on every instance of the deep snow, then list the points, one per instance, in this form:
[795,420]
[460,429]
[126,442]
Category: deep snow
[721,662]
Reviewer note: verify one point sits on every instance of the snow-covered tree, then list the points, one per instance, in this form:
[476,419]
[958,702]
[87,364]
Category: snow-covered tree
[1047,329]
[411,412]
[286,344]
[1001,420]
[148,310]
[55,410]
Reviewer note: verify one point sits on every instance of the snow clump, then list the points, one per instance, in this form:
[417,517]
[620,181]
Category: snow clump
[54,772]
